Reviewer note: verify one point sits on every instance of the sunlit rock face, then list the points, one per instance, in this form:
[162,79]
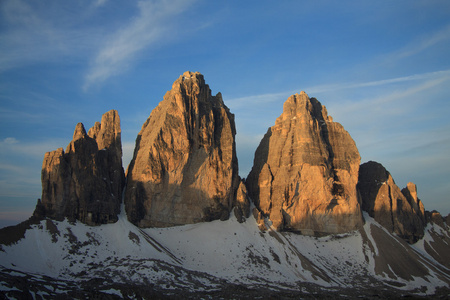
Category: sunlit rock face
[305,171]
[184,169]
[399,211]
[85,182]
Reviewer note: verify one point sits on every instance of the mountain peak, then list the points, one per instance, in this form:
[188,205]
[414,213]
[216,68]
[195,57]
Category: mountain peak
[305,171]
[85,183]
[184,169]
[79,132]
[189,81]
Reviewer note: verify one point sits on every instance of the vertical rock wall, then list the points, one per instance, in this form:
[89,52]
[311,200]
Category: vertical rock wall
[399,211]
[85,182]
[184,169]
[305,171]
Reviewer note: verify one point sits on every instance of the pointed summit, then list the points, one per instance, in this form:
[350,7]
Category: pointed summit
[79,132]
[305,171]
[184,169]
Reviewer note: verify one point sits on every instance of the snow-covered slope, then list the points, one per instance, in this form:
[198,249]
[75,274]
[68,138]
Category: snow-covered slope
[215,258]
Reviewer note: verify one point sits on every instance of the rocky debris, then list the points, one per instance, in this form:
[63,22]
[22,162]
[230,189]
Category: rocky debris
[85,182]
[259,217]
[305,171]
[184,169]
[401,213]
[242,203]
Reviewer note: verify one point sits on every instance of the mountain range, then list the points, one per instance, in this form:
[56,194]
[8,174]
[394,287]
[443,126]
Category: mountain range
[309,221]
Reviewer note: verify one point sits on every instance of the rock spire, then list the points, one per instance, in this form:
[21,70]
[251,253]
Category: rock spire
[184,169]
[305,171]
[85,182]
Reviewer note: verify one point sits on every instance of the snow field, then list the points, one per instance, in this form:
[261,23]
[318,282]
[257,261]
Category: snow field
[198,256]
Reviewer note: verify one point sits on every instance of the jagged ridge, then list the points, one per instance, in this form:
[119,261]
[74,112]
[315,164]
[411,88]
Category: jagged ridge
[184,171]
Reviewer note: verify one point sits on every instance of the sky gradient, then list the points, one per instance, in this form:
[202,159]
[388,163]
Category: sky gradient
[382,69]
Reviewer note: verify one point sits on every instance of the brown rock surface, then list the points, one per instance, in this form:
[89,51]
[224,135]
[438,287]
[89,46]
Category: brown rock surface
[436,218]
[85,182]
[437,244]
[384,201]
[107,134]
[184,169]
[305,171]
[242,203]
[259,219]
[410,192]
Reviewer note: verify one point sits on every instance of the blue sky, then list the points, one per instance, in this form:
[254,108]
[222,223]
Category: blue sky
[382,69]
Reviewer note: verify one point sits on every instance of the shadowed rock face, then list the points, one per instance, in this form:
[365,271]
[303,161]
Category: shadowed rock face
[85,182]
[398,211]
[184,169]
[242,203]
[410,193]
[305,171]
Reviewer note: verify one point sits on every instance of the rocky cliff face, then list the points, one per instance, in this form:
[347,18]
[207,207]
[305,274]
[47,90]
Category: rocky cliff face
[184,169]
[85,182]
[242,203]
[410,193]
[305,171]
[398,211]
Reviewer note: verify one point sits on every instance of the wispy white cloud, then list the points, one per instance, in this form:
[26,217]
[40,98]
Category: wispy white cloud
[432,78]
[99,3]
[379,121]
[375,103]
[34,33]
[10,140]
[11,146]
[26,30]
[439,75]
[376,119]
[423,43]
[120,49]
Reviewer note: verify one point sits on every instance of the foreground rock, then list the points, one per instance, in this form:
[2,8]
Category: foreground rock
[184,169]
[242,203]
[85,182]
[305,171]
[398,211]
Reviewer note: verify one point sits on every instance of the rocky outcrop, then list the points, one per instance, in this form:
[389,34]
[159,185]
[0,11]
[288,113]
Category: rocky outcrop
[260,220]
[410,193]
[305,171]
[85,182]
[184,169]
[242,203]
[438,240]
[398,211]
[107,134]
[436,218]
